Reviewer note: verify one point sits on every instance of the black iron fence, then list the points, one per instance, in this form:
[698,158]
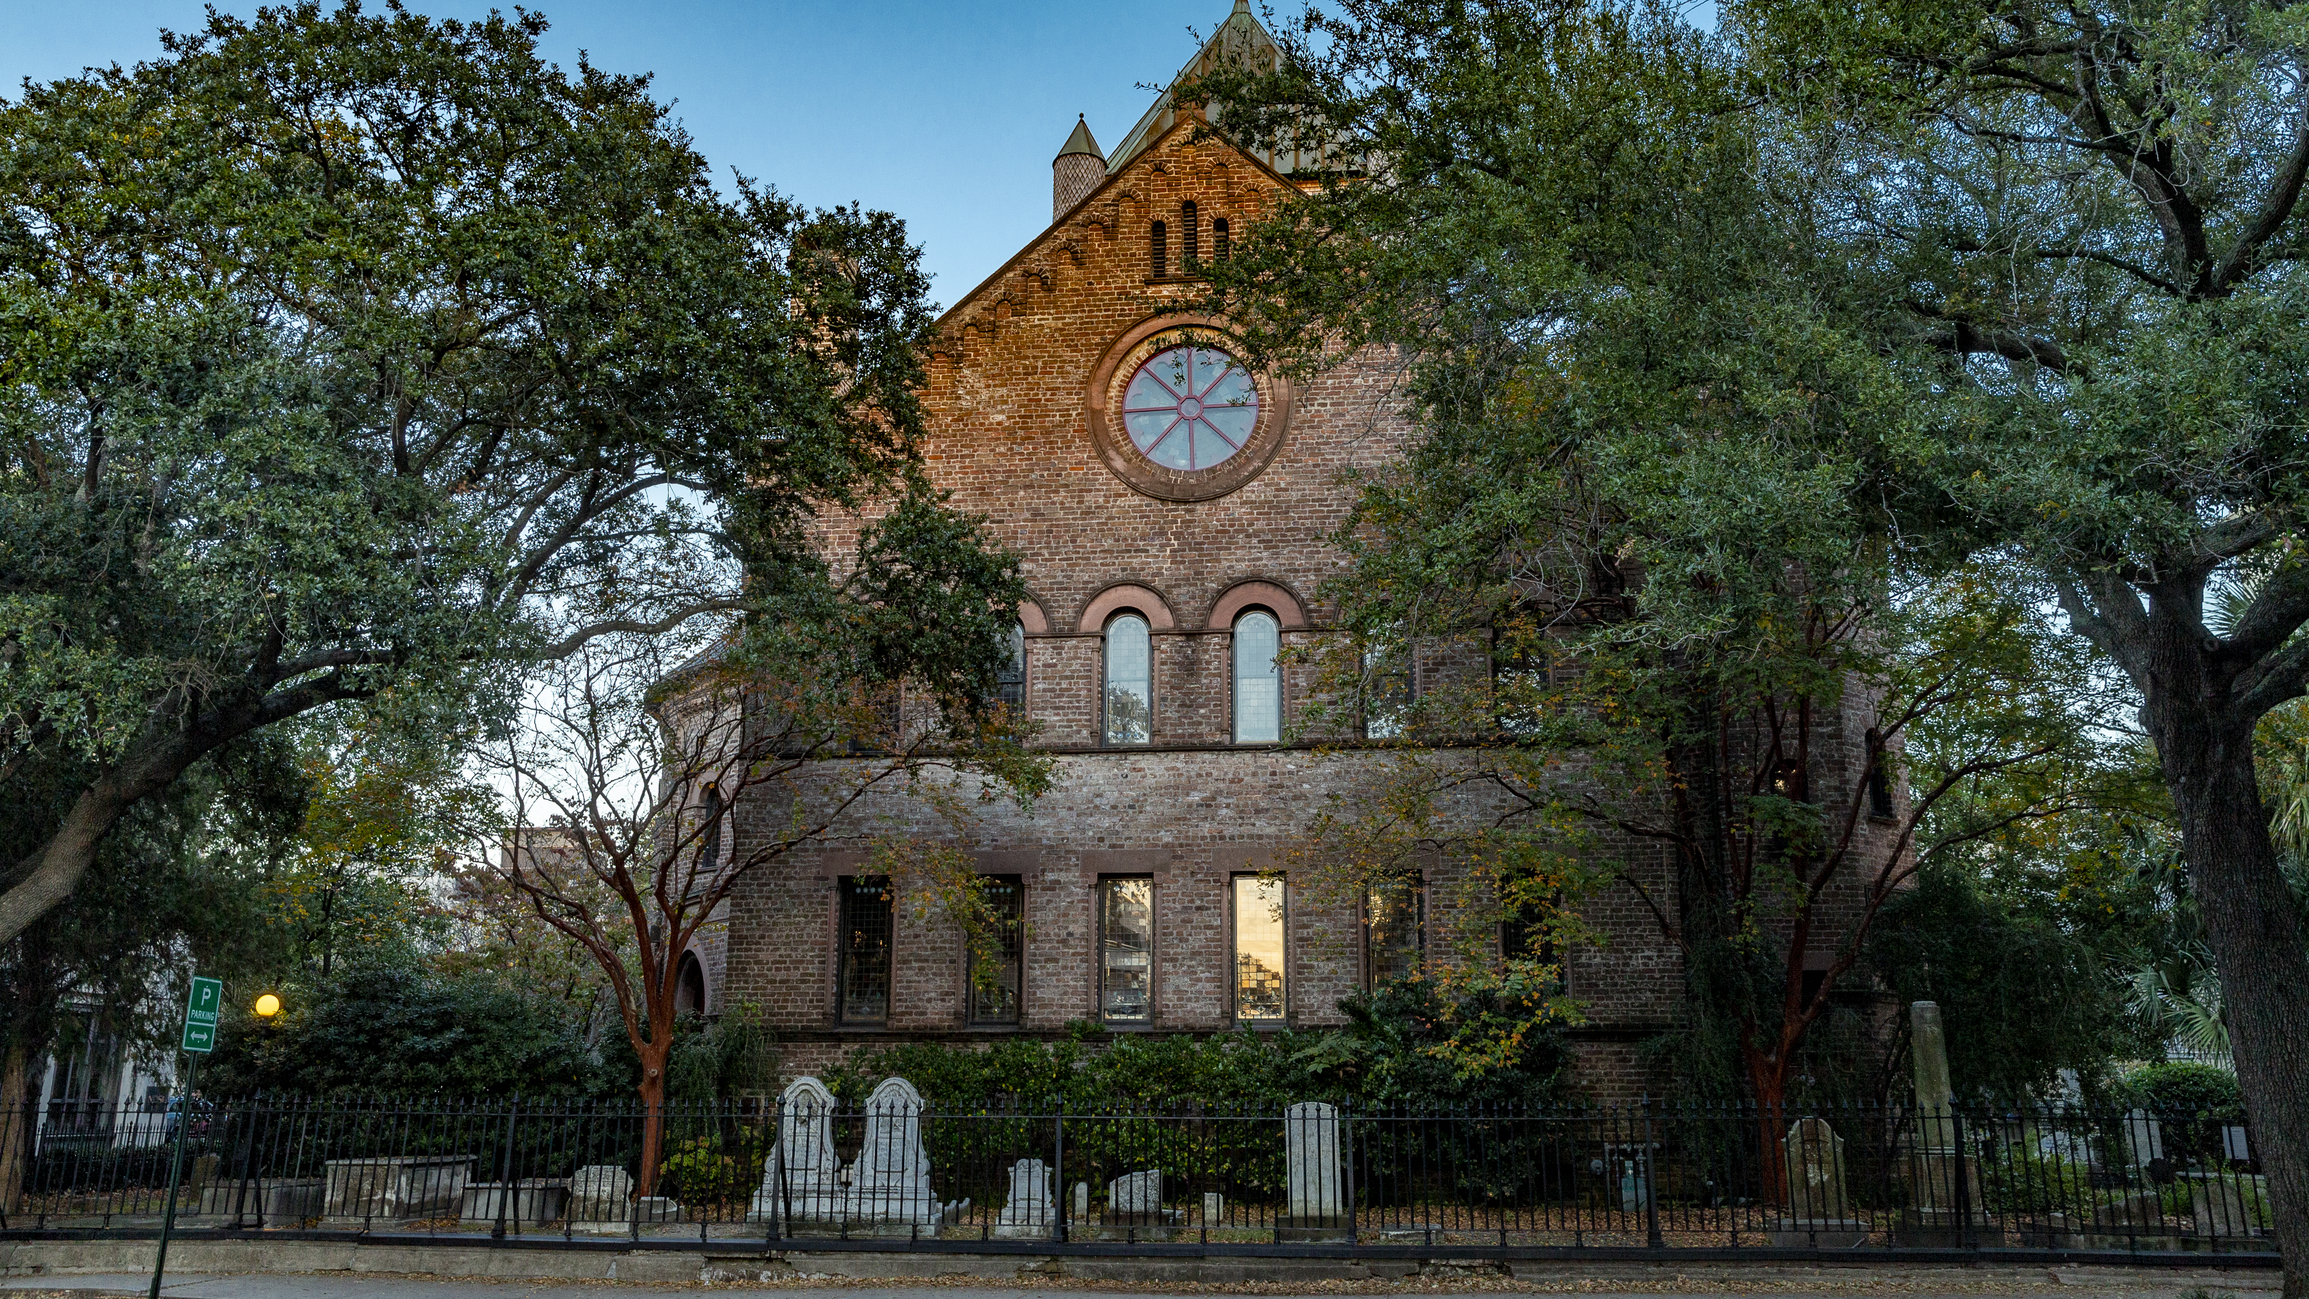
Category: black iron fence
[1315,1178]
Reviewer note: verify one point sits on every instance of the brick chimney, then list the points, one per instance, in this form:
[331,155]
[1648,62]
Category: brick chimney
[1078,169]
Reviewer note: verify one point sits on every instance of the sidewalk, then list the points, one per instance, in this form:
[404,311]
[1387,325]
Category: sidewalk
[1806,1283]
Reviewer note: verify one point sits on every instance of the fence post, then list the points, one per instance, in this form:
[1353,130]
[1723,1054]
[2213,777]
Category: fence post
[248,1140]
[505,1172]
[1651,1189]
[1061,1200]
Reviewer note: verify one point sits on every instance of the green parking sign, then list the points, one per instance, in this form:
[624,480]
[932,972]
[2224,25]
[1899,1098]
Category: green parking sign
[200,1014]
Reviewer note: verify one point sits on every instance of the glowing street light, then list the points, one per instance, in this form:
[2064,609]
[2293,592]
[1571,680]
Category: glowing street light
[268,1006]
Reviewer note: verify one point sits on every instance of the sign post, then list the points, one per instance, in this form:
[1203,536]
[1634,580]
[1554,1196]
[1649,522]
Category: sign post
[201,1012]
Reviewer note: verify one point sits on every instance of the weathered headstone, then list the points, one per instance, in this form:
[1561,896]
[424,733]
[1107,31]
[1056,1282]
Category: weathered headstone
[1214,1209]
[601,1199]
[1082,1202]
[2236,1144]
[801,1179]
[2144,1138]
[1812,1158]
[1311,1164]
[1029,1212]
[2228,1205]
[1135,1194]
[1944,1186]
[394,1187]
[890,1179]
[2124,1223]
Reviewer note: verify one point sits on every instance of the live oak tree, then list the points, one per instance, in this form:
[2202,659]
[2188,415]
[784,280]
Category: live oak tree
[355,360]
[2048,254]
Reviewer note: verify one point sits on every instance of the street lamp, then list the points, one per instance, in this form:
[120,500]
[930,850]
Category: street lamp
[267,1006]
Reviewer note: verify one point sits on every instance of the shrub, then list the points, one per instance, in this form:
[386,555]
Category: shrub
[2192,1102]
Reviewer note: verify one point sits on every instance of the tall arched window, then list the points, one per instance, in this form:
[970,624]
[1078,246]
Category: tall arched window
[1190,241]
[1010,683]
[1258,687]
[1160,240]
[1219,234]
[710,852]
[1129,681]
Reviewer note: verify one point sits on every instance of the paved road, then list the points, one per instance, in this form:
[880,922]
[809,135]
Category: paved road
[1940,1285]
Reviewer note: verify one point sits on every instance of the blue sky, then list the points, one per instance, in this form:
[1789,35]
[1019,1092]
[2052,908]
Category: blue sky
[947,114]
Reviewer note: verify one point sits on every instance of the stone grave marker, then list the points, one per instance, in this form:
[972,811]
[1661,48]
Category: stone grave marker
[1812,1159]
[890,1179]
[1029,1212]
[801,1179]
[1317,1181]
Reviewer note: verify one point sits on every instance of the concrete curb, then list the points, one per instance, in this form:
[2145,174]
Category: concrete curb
[36,1258]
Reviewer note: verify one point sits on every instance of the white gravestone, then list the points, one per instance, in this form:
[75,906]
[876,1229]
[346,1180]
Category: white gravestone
[890,1180]
[1029,1212]
[1311,1162]
[802,1178]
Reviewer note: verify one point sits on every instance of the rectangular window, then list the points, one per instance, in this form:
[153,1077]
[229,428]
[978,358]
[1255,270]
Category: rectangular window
[1879,778]
[1126,950]
[1259,963]
[994,966]
[864,982]
[1386,691]
[1010,683]
[1394,930]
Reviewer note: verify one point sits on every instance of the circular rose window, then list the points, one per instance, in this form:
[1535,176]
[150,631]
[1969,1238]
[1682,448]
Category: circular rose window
[1190,408]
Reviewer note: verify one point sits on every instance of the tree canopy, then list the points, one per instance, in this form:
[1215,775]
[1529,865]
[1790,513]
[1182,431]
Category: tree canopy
[2012,284]
[352,360]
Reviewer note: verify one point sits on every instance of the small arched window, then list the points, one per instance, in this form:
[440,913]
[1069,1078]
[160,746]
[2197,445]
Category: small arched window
[1159,242]
[1219,238]
[1258,686]
[1190,236]
[1129,703]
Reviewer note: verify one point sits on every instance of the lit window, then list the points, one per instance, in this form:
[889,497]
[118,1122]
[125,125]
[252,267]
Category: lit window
[1258,686]
[1010,683]
[1190,408]
[865,954]
[1126,950]
[1192,230]
[1159,241]
[1394,935]
[994,972]
[1259,948]
[1219,238]
[1129,681]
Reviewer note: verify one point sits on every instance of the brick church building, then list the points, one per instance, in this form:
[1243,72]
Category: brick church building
[1171,511]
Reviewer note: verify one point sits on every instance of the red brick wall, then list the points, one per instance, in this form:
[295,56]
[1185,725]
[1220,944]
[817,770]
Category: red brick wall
[1007,398]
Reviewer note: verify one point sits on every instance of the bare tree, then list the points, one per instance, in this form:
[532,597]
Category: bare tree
[630,780]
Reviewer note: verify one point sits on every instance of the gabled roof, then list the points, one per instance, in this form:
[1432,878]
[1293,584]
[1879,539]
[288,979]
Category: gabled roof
[1240,39]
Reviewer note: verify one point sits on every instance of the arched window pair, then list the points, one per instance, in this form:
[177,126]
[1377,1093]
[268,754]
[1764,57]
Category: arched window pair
[1128,712]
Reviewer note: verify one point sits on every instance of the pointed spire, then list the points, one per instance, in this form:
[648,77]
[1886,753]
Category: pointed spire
[1080,141]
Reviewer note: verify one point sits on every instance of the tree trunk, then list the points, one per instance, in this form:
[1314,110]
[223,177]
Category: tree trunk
[1769,1079]
[652,1089]
[15,1125]
[2255,936]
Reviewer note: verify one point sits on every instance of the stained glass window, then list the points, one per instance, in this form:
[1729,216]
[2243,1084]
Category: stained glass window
[1259,948]
[1190,408]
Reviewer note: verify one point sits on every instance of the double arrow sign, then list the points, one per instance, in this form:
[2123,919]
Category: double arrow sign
[200,1015]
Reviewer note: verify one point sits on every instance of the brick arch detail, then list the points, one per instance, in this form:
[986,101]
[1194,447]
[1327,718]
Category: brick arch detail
[1032,619]
[1256,591]
[1126,595]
